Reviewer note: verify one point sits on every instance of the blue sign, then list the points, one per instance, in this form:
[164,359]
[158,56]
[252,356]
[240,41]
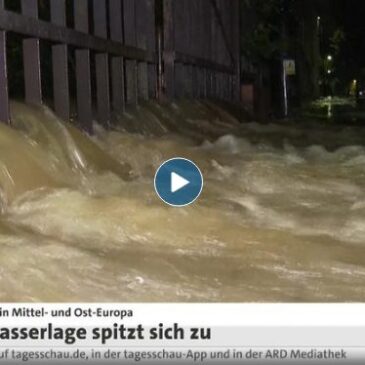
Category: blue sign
[178,182]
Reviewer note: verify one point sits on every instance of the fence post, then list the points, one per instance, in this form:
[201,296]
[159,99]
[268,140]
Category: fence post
[179,42]
[117,63]
[129,15]
[83,73]
[4,93]
[200,46]
[206,44]
[31,58]
[61,91]
[168,55]
[141,10]
[102,65]
[151,46]
[236,49]
[179,80]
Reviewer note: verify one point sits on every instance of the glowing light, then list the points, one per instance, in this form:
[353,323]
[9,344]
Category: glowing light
[329,57]
[318,22]
[329,72]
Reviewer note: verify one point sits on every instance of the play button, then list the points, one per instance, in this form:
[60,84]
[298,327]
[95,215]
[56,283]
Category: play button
[178,182]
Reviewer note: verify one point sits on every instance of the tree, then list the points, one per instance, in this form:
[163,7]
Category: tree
[265,39]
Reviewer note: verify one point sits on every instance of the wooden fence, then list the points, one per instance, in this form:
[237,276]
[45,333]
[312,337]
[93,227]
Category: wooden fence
[139,49]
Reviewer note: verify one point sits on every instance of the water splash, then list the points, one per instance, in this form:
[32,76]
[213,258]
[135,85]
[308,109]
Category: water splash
[281,217]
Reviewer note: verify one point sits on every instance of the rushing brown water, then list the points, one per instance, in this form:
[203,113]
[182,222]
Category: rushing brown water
[281,216]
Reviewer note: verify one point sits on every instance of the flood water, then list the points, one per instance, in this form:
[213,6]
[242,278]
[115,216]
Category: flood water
[281,216]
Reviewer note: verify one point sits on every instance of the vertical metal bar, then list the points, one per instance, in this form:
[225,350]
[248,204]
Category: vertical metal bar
[4,93]
[102,65]
[31,58]
[129,17]
[169,45]
[83,74]
[117,63]
[60,64]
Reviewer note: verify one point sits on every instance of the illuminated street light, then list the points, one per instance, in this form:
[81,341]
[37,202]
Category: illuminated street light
[329,58]
[329,72]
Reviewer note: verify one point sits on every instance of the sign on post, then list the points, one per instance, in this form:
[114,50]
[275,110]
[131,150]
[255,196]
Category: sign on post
[289,66]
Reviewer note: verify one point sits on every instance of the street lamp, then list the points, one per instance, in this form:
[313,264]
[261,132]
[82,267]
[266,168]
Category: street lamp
[329,58]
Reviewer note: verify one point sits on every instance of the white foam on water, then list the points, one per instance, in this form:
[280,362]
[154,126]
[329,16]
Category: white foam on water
[281,216]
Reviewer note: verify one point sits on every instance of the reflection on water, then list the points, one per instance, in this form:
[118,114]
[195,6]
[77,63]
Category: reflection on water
[281,217]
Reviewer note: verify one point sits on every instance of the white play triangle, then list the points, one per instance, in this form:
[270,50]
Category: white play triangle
[177,182]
